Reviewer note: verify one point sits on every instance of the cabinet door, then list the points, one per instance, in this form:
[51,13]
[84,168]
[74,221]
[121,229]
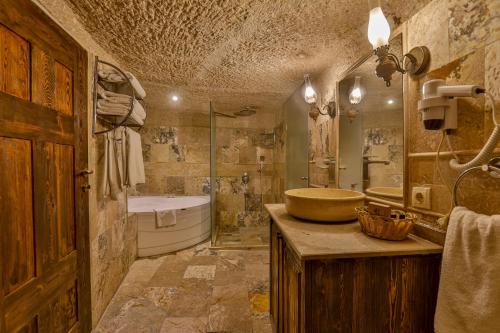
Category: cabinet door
[292,292]
[276,278]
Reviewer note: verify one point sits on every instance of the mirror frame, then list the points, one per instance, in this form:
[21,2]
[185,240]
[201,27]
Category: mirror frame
[398,33]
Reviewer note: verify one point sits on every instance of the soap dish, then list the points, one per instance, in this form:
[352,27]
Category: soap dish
[385,227]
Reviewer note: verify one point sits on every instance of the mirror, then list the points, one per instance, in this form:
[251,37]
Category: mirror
[371,131]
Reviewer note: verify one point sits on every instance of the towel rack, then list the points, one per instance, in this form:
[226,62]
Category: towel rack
[492,168]
[113,124]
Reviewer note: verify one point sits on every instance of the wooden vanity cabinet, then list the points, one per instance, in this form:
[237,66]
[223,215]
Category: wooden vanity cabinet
[363,294]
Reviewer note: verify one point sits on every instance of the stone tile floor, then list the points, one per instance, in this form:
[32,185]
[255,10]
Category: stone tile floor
[244,236]
[194,290]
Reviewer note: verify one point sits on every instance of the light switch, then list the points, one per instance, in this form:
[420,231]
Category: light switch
[421,197]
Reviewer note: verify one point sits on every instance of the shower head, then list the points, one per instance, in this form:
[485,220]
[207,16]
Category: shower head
[245,112]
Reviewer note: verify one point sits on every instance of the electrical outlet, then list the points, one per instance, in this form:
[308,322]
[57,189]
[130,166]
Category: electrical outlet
[421,197]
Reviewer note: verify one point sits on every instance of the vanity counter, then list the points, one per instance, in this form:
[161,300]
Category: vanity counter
[341,240]
[330,278]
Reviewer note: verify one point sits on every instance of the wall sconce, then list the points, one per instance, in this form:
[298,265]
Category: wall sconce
[309,93]
[328,109]
[356,94]
[379,31]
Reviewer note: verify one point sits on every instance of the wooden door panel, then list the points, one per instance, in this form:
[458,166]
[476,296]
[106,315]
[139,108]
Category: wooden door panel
[28,302]
[16,207]
[32,327]
[63,89]
[60,315]
[14,64]
[44,271]
[42,78]
[54,189]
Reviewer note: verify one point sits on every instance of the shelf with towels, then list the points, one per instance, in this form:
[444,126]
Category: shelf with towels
[128,111]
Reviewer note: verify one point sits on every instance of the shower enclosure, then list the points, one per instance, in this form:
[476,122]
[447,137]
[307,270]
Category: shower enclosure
[241,166]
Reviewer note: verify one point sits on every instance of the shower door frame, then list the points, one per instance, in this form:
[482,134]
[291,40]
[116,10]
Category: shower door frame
[213,179]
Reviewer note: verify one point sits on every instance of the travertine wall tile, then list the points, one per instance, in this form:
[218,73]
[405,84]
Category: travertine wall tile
[472,25]
[429,27]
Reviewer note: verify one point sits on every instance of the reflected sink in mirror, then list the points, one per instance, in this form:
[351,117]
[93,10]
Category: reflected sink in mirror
[323,204]
[386,192]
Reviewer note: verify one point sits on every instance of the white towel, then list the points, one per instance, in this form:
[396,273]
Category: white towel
[112,182]
[165,218]
[469,287]
[139,90]
[112,75]
[135,162]
[112,109]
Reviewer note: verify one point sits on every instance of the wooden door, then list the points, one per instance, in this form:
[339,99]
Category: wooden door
[44,267]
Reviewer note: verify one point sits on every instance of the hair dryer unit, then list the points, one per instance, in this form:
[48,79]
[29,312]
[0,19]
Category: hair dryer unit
[439,112]
[438,106]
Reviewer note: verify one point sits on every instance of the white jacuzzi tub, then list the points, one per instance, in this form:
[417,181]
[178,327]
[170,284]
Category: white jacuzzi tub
[192,226]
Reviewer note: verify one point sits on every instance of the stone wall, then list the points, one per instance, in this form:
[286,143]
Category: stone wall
[464,42]
[112,235]
[176,145]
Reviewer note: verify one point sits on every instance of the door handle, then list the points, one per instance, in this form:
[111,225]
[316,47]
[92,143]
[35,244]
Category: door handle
[304,178]
[85,172]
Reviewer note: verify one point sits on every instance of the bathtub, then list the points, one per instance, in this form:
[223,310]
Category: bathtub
[192,227]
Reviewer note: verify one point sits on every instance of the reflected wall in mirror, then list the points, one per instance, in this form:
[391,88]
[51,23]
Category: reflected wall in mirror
[371,131]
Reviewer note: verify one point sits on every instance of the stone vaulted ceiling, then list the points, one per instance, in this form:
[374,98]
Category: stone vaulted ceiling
[252,50]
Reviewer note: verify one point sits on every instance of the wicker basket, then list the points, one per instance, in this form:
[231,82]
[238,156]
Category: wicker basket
[385,227]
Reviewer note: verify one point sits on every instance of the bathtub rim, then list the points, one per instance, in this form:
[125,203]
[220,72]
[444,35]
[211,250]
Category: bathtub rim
[205,198]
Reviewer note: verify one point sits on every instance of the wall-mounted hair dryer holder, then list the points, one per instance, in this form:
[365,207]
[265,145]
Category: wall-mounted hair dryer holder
[438,106]
[439,112]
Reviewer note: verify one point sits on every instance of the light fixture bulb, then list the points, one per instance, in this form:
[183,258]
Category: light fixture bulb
[309,93]
[356,94]
[175,98]
[391,101]
[379,30]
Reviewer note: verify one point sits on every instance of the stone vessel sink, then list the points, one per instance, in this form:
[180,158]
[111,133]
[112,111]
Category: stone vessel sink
[323,204]
[388,192]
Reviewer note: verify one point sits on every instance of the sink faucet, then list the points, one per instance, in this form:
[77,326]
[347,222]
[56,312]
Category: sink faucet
[366,162]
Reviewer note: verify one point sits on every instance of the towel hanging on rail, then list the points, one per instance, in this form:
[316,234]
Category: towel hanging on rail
[135,161]
[469,288]
[113,166]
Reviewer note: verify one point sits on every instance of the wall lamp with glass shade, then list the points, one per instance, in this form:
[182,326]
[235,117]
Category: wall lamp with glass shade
[356,94]
[414,62]
[309,93]
[311,98]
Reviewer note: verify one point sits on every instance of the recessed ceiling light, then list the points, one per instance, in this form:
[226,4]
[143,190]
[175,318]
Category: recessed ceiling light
[175,98]
[391,101]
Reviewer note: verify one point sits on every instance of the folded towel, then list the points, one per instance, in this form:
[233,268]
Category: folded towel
[139,90]
[135,162]
[112,109]
[165,218]
[112,75]
[469,287]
